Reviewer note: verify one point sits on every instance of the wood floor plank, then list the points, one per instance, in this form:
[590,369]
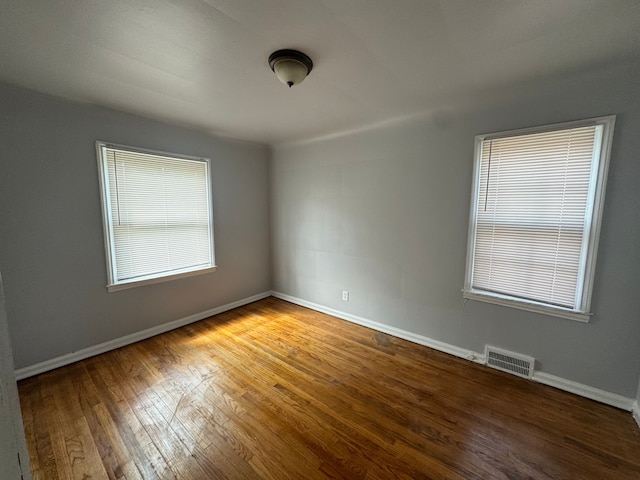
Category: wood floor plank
[276,391]
[41,452]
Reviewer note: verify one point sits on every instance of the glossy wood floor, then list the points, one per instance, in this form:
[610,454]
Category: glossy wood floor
[272,390]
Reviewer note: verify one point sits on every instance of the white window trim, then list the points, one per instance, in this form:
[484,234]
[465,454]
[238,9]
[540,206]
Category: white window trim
[595,208]
[113,285]
[158,278]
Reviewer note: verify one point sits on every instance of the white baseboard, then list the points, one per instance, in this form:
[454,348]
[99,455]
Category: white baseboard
[72,357]
[636,412]
[592,393]
[381,327]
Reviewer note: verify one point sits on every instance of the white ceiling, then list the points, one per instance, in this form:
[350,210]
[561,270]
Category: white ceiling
[203,63]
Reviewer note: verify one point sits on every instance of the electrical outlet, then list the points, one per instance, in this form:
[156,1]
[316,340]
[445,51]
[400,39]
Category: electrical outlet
[345,295]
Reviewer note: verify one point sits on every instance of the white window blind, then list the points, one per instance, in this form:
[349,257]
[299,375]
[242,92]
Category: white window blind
[157,214]
[532,235]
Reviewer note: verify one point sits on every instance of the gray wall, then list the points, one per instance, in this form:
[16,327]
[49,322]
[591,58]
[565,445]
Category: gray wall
[51,242]
[383,213]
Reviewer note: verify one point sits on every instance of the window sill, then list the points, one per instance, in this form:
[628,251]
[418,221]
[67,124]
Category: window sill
[139,282]
[528,306]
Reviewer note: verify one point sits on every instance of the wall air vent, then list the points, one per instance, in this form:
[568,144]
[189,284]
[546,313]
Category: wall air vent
[510,362]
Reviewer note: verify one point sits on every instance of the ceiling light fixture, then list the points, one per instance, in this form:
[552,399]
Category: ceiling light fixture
[290,66]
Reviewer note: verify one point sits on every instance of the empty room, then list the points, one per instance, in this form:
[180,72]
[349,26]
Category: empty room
[363,239]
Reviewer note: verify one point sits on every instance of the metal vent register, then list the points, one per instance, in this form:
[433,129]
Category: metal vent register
[510,362]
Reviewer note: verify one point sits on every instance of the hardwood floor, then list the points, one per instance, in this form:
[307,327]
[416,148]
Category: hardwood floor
[272,390]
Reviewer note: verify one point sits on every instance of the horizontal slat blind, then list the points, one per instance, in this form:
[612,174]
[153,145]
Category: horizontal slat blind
[159,214]
[531,209]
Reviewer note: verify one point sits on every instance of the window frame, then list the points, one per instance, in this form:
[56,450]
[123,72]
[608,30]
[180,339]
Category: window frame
[595,206]
[114,284]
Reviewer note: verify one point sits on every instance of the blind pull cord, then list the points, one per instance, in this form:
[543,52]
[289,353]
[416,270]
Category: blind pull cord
[115,164]
[486,193]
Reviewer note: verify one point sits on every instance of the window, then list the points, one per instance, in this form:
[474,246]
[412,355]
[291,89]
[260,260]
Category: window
[535,216]
[157,215]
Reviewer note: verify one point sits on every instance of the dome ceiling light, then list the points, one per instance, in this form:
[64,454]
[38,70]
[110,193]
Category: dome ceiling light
[290,66]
